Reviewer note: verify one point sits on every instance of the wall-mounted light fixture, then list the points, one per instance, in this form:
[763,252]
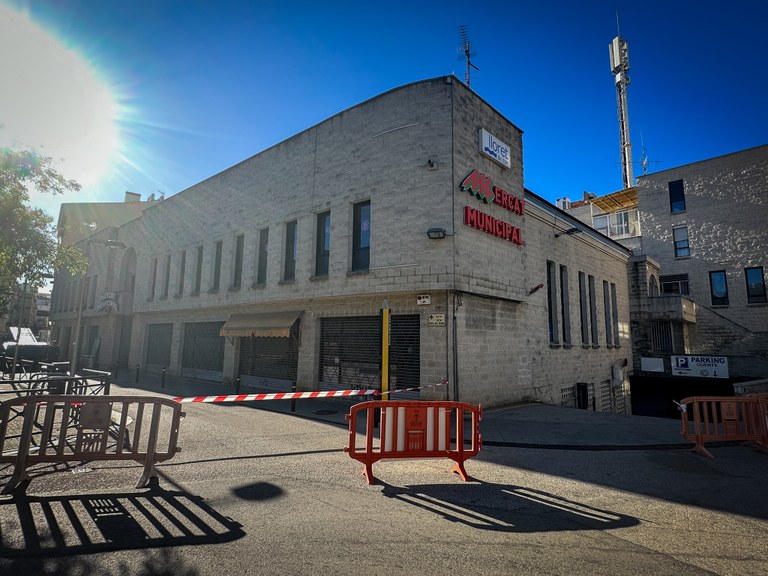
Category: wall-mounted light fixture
[569,232]
[437,233]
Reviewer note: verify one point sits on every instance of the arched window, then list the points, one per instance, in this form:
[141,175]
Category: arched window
[653,286]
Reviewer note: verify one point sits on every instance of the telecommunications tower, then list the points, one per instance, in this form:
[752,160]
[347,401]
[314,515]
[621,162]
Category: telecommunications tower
[619,51]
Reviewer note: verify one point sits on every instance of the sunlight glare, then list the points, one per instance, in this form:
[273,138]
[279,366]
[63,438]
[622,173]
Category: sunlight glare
[53,101]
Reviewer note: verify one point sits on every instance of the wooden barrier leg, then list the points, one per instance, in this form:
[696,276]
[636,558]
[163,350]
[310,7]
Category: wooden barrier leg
[369,424]
[458,468]
[20,475]
[700,449]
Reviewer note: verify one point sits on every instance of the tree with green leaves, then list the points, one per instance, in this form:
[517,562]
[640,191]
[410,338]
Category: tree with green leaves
[29,248]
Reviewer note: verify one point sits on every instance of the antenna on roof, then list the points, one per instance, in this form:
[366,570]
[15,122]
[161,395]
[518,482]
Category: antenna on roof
[465,46]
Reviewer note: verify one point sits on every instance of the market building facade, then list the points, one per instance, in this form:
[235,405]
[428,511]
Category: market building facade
[275,271]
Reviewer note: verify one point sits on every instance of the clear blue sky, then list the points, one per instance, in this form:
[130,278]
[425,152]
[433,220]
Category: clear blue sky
[204,85]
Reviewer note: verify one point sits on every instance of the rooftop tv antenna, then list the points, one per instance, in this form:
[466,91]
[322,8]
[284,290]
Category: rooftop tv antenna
[619,53]
[466,48]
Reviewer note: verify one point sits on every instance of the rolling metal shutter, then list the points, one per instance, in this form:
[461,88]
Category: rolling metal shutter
[269,361]
[350,353]
[203,351]
[159,345]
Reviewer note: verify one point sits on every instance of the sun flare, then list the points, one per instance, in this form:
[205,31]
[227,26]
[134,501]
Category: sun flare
[54,101]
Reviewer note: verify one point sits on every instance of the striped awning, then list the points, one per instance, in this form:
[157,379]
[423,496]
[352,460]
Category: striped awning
[271,324]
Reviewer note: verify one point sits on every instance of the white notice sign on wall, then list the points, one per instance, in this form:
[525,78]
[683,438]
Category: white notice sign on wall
[700,366]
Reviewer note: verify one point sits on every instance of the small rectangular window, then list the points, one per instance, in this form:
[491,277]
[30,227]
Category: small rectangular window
[583,309]
[593,310]
[199,270]
[565,305]
[166,278]
[237,279]
[92,296]
[607,314]
[289,270]
[152,278]
[615,316]
[361,236]
[182,271]
[218,249]
[261,268]
[755,285]
[323,244]
[675,284]
[554,337]
[718,288]
[680,237]
[676,196]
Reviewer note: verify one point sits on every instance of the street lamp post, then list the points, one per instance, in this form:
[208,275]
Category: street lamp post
[81,296]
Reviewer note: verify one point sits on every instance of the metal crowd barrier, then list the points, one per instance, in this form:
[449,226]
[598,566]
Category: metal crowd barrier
[414,429]
[727,418]
[86,428]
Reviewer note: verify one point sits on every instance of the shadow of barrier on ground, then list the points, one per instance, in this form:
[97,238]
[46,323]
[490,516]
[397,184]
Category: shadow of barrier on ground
[57,526]
[46,429]
[507,508]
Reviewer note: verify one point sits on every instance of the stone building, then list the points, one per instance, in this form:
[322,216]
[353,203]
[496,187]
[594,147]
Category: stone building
[276,270]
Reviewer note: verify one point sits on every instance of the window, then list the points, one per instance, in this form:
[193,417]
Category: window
[152,278]
[583,309]
[623,224]
[218,248]
[593,310]
[261,267]
[653,286]
[182,272]
[600,223]
[199,270]
[718,288]
[667,337]
[565,305]
[676,196]
[166,278]
[674,284]
[680,236]
[361,236]
[289,270]
[92,296]
[554,337]
[607,314]
[237,279]
[615,316]
[323,244]
[755,284]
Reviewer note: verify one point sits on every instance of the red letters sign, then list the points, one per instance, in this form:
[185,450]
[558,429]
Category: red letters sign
[481,186]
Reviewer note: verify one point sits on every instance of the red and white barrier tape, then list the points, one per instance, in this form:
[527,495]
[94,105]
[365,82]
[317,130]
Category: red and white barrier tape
[298,395]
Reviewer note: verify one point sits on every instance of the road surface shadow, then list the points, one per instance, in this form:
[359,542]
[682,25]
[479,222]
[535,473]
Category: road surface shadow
[507,508]
[58,526]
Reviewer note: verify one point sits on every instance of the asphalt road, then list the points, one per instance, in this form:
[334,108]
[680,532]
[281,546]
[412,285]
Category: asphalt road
[261,493]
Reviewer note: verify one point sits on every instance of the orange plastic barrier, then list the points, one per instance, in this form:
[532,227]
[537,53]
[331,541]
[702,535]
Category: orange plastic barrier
[414,429]
[727,418]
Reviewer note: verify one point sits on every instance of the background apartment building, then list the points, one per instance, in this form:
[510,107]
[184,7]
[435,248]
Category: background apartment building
[697,276]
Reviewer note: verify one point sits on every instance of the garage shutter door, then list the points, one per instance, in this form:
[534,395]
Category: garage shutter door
[159,345]
[203,352]
[350,353]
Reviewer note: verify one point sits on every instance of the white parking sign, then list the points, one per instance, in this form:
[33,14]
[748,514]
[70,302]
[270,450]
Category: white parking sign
[700,366]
